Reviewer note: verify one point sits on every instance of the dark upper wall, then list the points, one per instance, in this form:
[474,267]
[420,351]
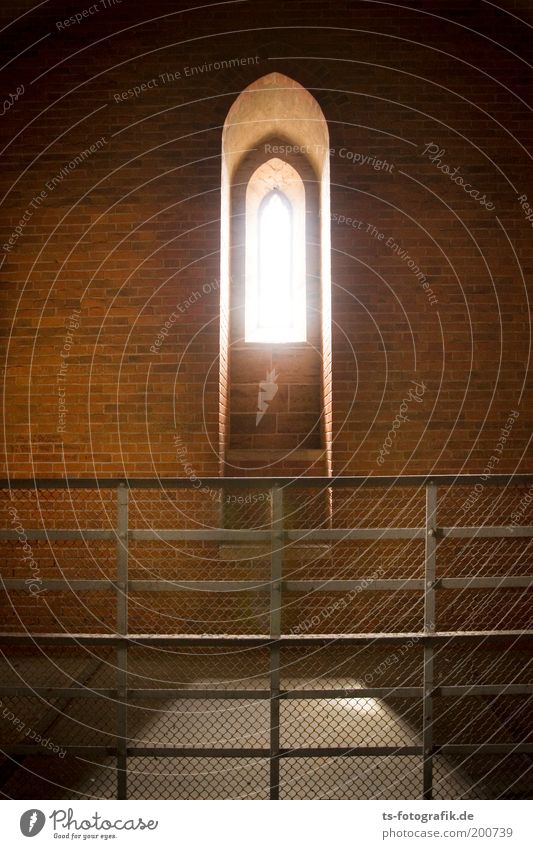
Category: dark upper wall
[130,235]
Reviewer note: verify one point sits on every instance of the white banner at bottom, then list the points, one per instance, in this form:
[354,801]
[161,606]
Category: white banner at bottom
[262,825]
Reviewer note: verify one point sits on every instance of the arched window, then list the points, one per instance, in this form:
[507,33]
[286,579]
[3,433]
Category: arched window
[275,287]
[275,290]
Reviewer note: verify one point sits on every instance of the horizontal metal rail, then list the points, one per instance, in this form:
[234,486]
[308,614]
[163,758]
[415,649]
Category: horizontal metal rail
[215,694]
[348,481]
[298,535]
[330,586]
[264,640]
[296,752]
[486,531]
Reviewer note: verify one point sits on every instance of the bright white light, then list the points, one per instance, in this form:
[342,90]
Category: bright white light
[275,305]
[275,266]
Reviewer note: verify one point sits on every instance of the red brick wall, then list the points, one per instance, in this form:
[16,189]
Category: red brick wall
[130,237]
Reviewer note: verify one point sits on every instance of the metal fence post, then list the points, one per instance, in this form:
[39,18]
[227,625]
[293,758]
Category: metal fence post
[122,649]
[429,628]
[276,572]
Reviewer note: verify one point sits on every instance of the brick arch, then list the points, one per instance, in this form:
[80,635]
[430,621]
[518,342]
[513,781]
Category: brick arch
[275,106]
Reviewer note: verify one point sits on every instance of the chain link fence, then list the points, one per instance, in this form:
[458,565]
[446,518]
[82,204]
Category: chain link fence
[255,639]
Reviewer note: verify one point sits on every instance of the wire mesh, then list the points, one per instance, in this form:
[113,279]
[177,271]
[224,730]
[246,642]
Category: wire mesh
[186,561]
[482,719]
[361,777]
[352,612]
[60,559]
[204,506]
[399,506]
[469,558]
[174,508]
[198,778]
[53,722]
[21,719]
[337,667]
[351,722]
[494,609]
[246,508]
[51,666]
[200,723]
[54,777]
[64,611]
[479,504]
[233,667]
[463,662]
[59,509]
[353,559]
[199,612]
[482,776]
[218,719]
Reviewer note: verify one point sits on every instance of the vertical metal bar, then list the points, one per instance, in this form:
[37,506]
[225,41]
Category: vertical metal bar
[429,628]
[274,720]
[430,560]
[276,573]
[276,560]
[427,724]
[122,650]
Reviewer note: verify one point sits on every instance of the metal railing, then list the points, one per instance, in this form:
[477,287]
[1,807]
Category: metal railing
[274,687]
